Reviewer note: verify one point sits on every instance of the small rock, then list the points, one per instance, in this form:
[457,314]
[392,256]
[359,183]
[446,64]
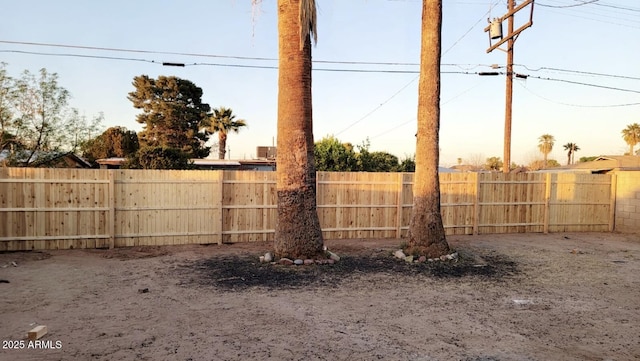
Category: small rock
[334,256]
[143,290]
[454,255]
[14,264]
[433,259]
[523,302]
[298,262]
[268,257]
[443,257]
[309,261]
[449,257]
[409,259]
[262,259]
[285,261]
[399,254]
[422,259]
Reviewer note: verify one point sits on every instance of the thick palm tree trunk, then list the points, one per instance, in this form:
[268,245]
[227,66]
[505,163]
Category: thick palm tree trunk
[298,232]
[426,232]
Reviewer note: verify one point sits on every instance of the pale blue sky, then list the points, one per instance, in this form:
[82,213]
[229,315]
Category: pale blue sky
[601,37]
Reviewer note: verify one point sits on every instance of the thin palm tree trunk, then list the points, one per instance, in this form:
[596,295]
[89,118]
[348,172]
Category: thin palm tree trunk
[426,231]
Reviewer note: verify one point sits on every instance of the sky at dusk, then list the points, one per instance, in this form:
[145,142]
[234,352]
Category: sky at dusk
[581,59]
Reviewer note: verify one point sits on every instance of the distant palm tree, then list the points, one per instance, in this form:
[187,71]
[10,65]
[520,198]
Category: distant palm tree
[222,122]
[631,135]
[571,149]
[545,144]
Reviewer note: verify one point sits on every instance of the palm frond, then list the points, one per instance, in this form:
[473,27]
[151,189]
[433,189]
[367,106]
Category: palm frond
[308,22]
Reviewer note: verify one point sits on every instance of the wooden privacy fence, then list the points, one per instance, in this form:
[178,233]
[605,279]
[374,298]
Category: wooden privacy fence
[72,208]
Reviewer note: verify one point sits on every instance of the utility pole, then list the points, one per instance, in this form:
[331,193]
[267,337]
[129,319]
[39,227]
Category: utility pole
[495,32]
[506,167]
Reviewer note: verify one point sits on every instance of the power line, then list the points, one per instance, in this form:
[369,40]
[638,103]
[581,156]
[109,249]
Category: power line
[234,57]
[414,79]
[80,56]
[380,71]
[567,6]
[620,18]
[580,72]
[376,108]
[617,7]
[579,105]
[246,66]
[586,84]
[413,119]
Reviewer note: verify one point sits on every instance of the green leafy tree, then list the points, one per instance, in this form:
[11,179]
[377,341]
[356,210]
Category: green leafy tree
[80,130]
[494,164]
[587,159]
[407,164]
[113,142]
[552,163]
[426,234]
[223,121]
[8,98]
[631,135]
[545,144]
[382,162]
[331,155]
[571,149]
[41,107]
[172,113]
[158,158]
[541,164]
[364,160]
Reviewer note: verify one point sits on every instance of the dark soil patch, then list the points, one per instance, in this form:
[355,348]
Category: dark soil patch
[137,252]
[242,272]
[19,257]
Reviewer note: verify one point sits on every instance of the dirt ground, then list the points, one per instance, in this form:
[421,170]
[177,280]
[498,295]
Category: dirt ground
[570,296]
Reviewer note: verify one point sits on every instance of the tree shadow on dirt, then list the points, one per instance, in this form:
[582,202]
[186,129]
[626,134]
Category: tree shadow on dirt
[244,272]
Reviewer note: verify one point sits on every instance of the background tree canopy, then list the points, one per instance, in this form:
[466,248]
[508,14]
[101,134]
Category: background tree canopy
[157,158]
[331,155]
[172,113]
[114,142]
[36,119]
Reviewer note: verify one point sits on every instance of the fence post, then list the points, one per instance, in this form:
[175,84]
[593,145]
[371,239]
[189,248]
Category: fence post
[476,206]
[612,202]
[220,186]
[112,209]
[547,200]
[399,206]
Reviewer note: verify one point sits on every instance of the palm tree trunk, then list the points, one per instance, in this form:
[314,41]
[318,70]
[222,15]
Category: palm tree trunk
[298,232]
[222,145]
[426,231]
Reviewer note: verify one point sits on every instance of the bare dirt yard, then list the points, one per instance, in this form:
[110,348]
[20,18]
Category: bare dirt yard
[569,296]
